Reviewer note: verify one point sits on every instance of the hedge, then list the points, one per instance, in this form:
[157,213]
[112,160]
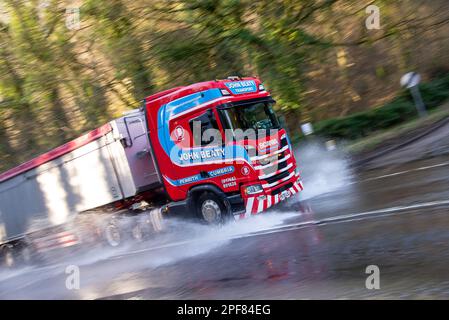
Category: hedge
[399,110]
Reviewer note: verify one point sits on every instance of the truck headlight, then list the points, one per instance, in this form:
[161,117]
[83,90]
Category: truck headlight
[254,189]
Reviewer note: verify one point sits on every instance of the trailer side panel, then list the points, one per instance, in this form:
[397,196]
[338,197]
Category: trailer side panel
[54,192]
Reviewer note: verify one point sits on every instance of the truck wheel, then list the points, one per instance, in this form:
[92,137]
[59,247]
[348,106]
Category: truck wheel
[9,260]
[26,255]
[156,219]
[112,234]
[137,232]
[211,208]
[29,254]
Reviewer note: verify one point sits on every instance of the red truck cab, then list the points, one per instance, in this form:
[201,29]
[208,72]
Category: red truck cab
[220,148]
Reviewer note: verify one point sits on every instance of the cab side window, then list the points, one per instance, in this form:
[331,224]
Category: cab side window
[200,125]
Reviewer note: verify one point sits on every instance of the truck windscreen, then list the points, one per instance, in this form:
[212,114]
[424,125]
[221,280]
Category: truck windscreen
[257,116]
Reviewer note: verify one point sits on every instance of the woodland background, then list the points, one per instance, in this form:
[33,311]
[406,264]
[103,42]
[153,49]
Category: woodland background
[315,56]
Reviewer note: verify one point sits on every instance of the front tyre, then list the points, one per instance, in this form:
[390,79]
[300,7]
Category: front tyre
[211,209]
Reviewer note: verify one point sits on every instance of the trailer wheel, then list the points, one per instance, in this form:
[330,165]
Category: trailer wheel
[112,234]
[211,208]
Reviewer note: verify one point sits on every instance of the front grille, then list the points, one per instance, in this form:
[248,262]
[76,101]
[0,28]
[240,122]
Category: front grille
[284,142]
[277,177]
[275,167]
[283,188]
[283,164]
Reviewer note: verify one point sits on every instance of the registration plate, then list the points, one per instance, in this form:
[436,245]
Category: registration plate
[285,194]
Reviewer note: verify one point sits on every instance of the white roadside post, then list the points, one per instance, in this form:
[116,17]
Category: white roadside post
[331,145]
[410,81]
[307,128]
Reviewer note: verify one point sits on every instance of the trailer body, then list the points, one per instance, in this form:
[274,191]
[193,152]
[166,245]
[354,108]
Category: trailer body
[109,164]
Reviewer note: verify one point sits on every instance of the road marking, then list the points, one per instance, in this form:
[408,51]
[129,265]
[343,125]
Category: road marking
[293,226]
[403,172]
[346,218]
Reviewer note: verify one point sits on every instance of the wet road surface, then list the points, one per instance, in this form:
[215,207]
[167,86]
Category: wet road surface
[316,245]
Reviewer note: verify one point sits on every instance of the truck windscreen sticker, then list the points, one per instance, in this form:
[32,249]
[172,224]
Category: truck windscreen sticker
[241,87]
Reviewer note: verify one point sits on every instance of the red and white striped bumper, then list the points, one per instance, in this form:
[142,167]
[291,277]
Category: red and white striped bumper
[263,201]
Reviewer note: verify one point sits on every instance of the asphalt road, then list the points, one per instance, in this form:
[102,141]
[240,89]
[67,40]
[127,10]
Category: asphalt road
[315,245]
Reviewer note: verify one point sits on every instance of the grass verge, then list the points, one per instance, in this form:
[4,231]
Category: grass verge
[377,138]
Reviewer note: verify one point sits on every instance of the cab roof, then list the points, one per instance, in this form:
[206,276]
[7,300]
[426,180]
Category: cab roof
[179,92]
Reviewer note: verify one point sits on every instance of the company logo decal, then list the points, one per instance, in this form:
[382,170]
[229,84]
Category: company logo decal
[198,177]
[229,182]
[178,133]
[245,170]
[205,154]
[267,144]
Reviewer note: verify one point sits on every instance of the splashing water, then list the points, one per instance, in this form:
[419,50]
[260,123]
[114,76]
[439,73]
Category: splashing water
[322,171]
[180,240]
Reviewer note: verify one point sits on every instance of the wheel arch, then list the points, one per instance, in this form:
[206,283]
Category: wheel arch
[196,191]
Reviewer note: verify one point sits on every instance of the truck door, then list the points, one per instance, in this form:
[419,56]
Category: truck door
[191,132]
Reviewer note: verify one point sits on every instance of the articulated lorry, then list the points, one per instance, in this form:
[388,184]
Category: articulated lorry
[215,150]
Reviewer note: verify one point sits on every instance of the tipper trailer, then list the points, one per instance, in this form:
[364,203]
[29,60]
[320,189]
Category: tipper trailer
[213,149]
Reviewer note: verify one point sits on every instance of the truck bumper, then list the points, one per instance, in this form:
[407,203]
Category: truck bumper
[262,201]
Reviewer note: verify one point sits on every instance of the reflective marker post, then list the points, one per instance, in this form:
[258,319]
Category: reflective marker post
[420,106]
[410,81]
[307,128]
